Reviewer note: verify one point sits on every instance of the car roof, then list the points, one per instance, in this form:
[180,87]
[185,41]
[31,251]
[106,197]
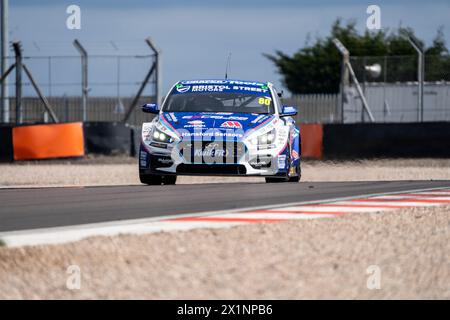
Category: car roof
[224,81]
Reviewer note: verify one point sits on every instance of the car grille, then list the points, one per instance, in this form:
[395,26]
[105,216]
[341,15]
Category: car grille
[212,169]
[212,152]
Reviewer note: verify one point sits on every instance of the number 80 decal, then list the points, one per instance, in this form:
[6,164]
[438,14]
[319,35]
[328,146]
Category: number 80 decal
[265,101]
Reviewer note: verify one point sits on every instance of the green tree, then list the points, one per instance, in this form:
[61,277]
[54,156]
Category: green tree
[316,68]
[437,61]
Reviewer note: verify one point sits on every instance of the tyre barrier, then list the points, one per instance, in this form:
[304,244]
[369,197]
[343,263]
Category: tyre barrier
[46,141]
[376,140]
[319,141]
[108,138]
[6,144]
[65,140]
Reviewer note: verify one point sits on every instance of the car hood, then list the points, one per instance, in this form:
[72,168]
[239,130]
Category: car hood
[203,121]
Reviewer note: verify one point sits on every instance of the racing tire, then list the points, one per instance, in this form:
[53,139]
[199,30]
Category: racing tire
[287,178]
[151,179]
[276,180]
[154,179]
[167,180]
[298,176]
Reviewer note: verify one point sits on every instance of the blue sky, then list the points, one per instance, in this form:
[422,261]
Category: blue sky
[196,36]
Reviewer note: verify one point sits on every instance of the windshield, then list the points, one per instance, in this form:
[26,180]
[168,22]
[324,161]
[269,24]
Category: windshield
[238,102]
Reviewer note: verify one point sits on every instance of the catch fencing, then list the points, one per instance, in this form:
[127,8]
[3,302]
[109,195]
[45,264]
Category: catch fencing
[389,85]
[316,108]
[398,103]
[83,87]
[69,109]
[400,69]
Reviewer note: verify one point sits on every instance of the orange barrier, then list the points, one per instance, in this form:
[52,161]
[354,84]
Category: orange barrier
[312,137]
[48,141]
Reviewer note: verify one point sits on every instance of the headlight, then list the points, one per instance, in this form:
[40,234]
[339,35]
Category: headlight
[161,136]
[264,141]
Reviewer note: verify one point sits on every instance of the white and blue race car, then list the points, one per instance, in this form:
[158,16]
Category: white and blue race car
[220,127]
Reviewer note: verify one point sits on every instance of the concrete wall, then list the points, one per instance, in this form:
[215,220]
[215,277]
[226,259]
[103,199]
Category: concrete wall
[398,103]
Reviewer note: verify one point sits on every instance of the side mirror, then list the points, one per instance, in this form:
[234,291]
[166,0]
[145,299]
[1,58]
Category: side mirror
[150,108]
[288,111]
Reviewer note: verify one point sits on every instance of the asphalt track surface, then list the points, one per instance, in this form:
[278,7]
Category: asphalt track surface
[22,209]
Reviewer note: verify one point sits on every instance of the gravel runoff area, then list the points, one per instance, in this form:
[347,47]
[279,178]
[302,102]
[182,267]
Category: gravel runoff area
[324,258]
[123,171]
[398,254]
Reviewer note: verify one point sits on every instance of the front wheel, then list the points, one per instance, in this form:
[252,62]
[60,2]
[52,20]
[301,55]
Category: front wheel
[169,179]
[296,178]
[276,180]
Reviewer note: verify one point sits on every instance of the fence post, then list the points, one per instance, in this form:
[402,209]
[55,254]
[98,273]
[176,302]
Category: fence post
[360,92]
[66,107]
[18,52]
[44,100]
[84,76]
[420,74]
[50,76]
[346,58]
[4,103]
[156,51]
[154,68]
[344,73]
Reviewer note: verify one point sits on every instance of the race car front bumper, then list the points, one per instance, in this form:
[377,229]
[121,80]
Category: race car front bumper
[242,161]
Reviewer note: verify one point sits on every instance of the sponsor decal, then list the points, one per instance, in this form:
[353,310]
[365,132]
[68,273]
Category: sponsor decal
[223,86]
[249,89]
[212,134]
[143,159]
[166,127]
[294,154]
[282,161]
[265,101]
[182,89]
[259,118]
[210,88]
[231,124]
[231,82]
[146,127]
[210,153]
[195,124]
[225,118]
[164,161]
[173,117]
[147,137]
[218,116]
[260,125]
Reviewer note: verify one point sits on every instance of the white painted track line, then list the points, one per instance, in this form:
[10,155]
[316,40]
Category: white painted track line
[228,218]
[413,197]
[58,237]
[268,215]
[389,203]
[328,209]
